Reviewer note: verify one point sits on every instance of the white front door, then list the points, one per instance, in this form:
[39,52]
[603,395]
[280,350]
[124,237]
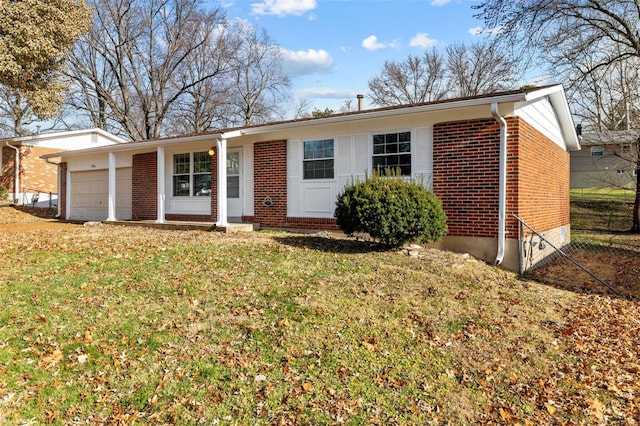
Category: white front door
[234,183]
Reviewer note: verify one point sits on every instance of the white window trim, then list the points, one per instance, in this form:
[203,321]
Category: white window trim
[412,142]
[597,151]
[305,160]
[192,174]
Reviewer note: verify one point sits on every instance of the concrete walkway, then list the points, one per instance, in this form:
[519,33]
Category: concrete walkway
[186,226]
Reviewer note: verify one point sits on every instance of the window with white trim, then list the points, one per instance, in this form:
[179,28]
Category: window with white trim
[318,161]
[597,151]
[392,151]
[192,174]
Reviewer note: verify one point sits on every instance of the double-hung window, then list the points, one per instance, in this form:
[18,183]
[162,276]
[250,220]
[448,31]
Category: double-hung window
[597,151]
[191,174]
[318,161]
[392,151]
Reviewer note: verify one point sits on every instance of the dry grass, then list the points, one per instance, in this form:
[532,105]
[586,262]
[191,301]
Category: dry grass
[117,325]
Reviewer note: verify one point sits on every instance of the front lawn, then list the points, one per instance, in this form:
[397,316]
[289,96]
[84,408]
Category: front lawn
[118,325]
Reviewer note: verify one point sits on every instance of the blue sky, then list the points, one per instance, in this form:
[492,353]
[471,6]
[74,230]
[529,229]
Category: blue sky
[332,48]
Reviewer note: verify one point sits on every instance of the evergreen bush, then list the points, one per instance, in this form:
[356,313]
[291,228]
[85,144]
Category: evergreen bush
[391,210]
[4,193]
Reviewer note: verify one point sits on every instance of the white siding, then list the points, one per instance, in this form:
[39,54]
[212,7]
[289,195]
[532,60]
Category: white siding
[294,177]
[423,155]
[352,159]
[541,115]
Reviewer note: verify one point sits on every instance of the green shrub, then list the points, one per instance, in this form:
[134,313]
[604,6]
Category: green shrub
[391,210]
[4,193]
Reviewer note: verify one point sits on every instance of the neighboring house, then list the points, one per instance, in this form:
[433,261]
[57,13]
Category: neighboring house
[37,179]
[606,160]
[486,157]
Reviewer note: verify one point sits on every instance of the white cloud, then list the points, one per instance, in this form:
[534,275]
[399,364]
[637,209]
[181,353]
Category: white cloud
[283,7]
[372,43]
[325,93]
[302,62]
[440,2]
[422,40]
[478,31]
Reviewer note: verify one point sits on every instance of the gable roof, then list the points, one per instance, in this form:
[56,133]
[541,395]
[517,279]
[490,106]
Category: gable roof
[555,94]
[610,137]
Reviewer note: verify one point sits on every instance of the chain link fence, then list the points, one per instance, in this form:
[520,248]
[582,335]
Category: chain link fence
[588,261]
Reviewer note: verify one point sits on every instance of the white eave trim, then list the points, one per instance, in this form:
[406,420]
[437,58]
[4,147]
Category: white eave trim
[134,146]
[466,103]
[61,135]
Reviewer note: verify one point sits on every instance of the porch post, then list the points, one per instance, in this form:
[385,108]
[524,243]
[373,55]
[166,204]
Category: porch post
[160,184]
[111,215]
[221,148]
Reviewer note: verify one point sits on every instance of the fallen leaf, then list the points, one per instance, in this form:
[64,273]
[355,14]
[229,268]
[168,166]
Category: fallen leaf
[52,359]
[306,386]
[550,408]
[597,409]
[284,322]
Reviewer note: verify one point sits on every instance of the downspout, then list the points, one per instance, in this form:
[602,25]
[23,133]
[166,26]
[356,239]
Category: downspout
[16,182]
[502,205]
[58,185]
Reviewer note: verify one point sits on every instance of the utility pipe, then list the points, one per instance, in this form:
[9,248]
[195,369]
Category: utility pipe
[502,204]
[16,182]
[58,185]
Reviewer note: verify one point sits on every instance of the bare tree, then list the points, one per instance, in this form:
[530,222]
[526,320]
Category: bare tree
[480,68]
[417,79]
[566,32]
[15,113]
[138,60]
[259,84]
[302,108]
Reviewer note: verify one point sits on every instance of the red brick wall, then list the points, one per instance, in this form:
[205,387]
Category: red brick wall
[270,180]
[466,157]
[144,189]
[8,168]
[542,178]
[36,175]
[62,197]
[465,175]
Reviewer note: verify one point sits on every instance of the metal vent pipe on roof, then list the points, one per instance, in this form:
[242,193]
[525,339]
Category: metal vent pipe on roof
[360,97]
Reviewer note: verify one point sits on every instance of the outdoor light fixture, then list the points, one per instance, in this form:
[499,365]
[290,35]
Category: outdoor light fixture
[211,151]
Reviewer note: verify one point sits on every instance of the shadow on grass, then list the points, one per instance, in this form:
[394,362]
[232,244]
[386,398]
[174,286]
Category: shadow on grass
[331,245]
[41,212]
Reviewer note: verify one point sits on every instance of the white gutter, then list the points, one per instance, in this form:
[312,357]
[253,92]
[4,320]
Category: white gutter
[502,206]
[16,182]
[59,183]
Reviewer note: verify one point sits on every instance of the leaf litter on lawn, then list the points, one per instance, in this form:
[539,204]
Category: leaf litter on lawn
[123,325]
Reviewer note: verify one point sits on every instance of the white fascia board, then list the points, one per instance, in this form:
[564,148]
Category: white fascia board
[60,135]
[133,146]
[511,98]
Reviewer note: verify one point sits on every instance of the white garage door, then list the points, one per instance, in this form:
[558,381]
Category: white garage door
[89,194]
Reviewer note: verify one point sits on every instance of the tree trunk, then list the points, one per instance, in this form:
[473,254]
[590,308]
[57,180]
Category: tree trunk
[635,227]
